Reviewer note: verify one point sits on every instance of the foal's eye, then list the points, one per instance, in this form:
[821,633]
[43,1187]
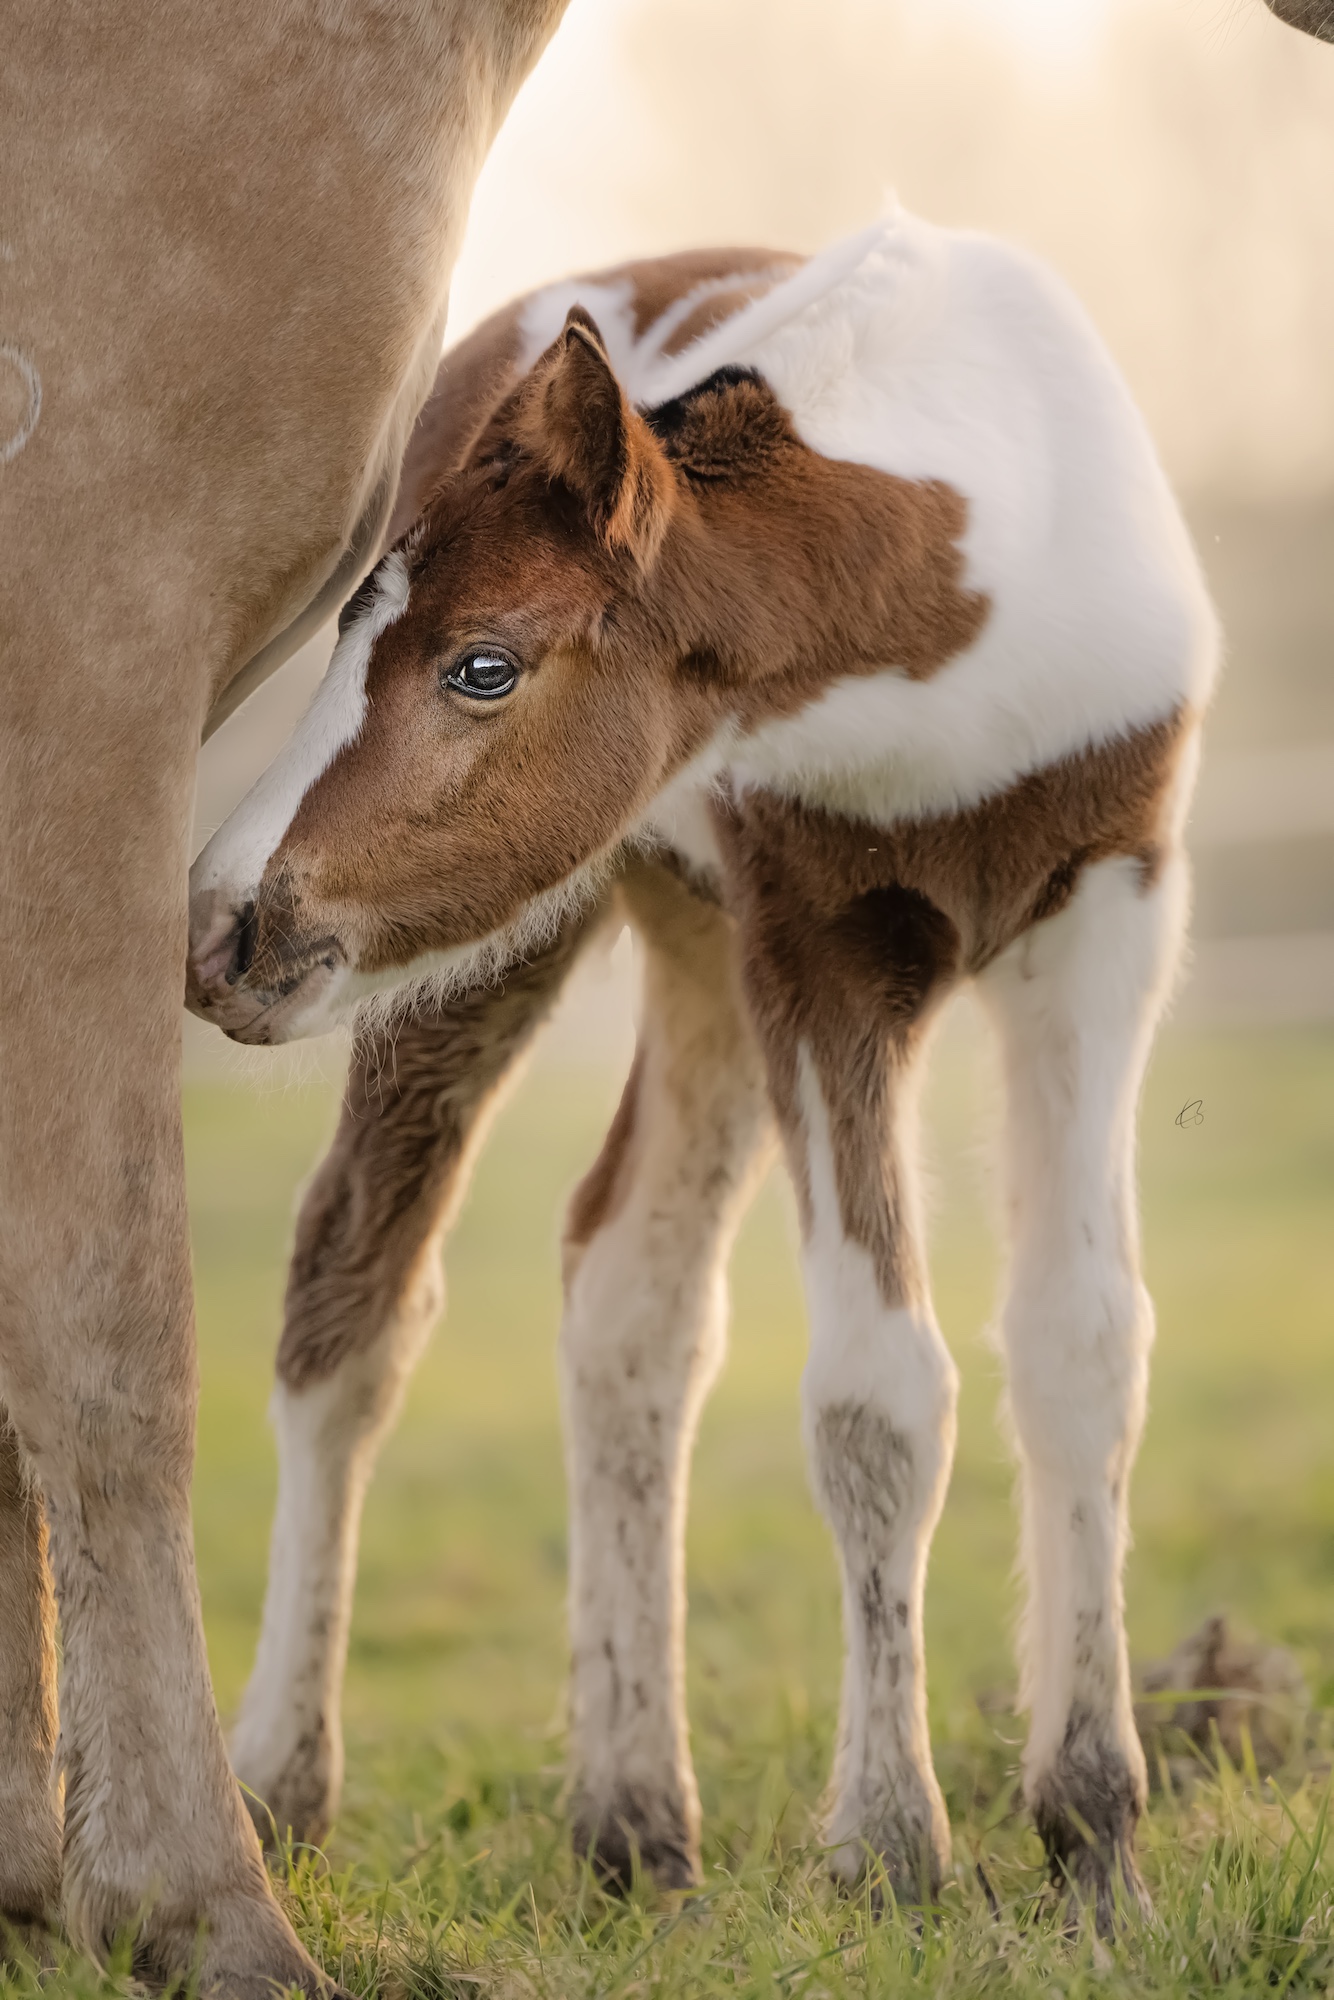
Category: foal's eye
[484,673]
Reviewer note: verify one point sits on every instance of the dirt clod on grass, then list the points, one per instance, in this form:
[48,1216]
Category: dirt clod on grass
[1221,1686]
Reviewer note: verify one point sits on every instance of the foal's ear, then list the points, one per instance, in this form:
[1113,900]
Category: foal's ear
[581,426]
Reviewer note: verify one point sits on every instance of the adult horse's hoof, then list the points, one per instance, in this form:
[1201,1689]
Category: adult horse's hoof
[29,1867]
[28,1942]
[244,1949]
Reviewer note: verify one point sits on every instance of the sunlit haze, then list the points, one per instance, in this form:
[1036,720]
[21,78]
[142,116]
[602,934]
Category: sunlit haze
[1049,30]
[1172,158]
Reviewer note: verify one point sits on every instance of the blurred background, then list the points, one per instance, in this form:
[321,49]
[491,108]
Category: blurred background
[1174,159]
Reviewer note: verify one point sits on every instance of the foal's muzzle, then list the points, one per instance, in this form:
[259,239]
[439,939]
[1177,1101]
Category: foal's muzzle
[252,972]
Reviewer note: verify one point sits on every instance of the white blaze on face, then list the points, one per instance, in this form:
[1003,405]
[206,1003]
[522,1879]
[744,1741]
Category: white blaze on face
[234,860]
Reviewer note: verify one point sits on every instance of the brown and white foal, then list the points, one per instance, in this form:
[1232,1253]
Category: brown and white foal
[834,623]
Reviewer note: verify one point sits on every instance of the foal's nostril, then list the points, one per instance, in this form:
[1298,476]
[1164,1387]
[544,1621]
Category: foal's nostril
[247,933]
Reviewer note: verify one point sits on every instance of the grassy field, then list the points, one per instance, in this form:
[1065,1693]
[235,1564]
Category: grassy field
[448,1872]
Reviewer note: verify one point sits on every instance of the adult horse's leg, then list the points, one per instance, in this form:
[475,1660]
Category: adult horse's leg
[97,1360]
[1075,1001]
[364,1290]
[227,242]
[29,1818]
[645,1319]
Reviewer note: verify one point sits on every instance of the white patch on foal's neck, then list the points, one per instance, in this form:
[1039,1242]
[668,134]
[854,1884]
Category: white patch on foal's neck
[235,859]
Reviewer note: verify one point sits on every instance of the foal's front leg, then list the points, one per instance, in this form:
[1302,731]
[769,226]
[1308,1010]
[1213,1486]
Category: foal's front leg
[840,985]
[363,1292]
[1075,1001]
[645,1320]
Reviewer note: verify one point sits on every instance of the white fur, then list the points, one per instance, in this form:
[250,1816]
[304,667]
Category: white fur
[890,1364]
[1075,1001]
[642,1339]
[955,358]
[234,860]
[657,379]
[680,817]
[327,1436]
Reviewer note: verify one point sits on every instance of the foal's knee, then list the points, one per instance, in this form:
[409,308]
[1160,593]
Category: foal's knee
[1078,1366]
[880,1420]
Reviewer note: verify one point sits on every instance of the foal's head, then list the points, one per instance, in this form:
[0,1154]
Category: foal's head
[587,601]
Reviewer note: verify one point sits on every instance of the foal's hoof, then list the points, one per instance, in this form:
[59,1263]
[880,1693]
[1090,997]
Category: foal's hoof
[1107,1887]
[896,1868]
[296,1801]
[1086,1811]
[1097,1878]
[629,1835]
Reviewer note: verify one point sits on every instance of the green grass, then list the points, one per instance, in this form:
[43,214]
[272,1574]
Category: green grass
[449,1872]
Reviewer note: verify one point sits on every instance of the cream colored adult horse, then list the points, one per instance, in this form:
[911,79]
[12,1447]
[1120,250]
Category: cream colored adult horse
[226,235]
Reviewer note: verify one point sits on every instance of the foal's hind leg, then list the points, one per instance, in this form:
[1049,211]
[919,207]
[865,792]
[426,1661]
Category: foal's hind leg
[841,984]
[1075,1001]
[364,1290]
[645,1318]
[29,1821]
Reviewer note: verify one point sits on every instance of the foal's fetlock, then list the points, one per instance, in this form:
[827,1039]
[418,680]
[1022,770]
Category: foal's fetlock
[637,1831]
[1095,1879]
[905,1854]
[299,1800]
[1086,1813]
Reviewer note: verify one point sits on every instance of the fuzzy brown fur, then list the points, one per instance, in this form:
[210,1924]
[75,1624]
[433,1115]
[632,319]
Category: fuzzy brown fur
[415,1111]
[851,934]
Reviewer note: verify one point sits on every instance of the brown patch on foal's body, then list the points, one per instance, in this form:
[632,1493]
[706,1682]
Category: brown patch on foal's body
[601,1194]
[725,279]
[852,933]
